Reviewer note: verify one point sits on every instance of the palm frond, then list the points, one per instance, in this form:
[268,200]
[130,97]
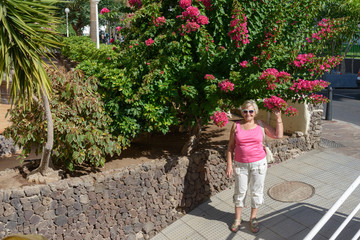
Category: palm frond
[26,37]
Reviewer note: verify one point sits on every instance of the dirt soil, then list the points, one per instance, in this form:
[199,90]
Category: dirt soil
[147,148]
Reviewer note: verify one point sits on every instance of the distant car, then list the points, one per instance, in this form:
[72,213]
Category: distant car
[358,79]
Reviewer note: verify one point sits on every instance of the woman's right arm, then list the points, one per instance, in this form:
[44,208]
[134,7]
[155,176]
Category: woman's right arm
[230,151]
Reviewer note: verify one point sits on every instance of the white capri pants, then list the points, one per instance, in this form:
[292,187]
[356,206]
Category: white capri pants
[252,174]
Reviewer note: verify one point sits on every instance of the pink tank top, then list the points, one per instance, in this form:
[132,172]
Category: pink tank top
[249,144]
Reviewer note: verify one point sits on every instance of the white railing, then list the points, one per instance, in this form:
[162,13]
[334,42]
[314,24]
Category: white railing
[331,212]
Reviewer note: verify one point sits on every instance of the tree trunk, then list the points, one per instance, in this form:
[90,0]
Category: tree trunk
[93,30]
[46,153]
[193,140]
[44,173]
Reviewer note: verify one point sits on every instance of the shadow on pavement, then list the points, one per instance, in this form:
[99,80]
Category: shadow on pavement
[292,222]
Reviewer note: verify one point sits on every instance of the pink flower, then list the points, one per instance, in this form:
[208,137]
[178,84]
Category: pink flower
[111,40]
[130,46]
[149,42]
[239,33]
[202,20]
[104,10]
[317,98]
[243,64]
[291,111]
[113,48]
[118,28]
[136,3]
[108,58]
[185,3]
[159,21]
[309,85]
[219,118]
[148,63]
[226,85]
[191,12]
[190,27]
[278,103]
[209,77]
[162,72]
[272,76]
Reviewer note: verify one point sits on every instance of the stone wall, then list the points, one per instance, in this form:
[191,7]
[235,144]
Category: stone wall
[7,146]
[135,202]
[130,203]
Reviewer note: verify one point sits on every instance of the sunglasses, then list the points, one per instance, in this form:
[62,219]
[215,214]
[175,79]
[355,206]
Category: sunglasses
[248,111]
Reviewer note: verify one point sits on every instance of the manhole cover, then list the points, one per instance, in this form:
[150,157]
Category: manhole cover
[291,191]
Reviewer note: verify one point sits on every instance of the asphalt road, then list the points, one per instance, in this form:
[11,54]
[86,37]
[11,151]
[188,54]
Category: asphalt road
[345,105]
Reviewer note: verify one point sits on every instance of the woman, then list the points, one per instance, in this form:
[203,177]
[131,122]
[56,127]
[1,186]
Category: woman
[246,138]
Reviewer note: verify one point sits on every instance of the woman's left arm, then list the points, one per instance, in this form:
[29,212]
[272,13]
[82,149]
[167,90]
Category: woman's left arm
[279,131]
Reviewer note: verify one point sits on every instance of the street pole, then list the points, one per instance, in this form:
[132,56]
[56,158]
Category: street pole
[328,115]
[97,25]
[67,21]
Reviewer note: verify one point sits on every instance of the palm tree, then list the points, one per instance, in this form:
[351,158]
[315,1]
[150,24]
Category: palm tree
[26,35]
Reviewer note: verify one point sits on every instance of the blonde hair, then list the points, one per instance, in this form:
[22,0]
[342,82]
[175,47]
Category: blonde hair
[250,103]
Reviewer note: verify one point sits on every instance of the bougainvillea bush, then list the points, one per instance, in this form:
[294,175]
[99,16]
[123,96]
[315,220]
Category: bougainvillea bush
[184,62]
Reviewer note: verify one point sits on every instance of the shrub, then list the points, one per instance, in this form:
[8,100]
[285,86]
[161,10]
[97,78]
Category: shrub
[81,125]
[182,62]
[83,48]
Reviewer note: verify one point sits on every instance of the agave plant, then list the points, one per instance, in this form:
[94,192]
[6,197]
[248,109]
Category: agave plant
[26,37]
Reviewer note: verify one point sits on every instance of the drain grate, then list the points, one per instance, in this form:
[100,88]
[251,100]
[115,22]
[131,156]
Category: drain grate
[292,191]
[326,143]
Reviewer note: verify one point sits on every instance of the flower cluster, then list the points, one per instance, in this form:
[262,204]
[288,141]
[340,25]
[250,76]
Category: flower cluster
[239,33]
[185,3]
[209,77]
[243,64]
[219,118]
[273,76]
[191,12]
[324,64]
[190,27]
[302,59]
[317,98]
[149,42]
[207,4]
[136,3]
[202,20]
[327,30]
[309,85]
[104,10]
[193,19]
[159,21]
[291,111]
[226,85]
[316,65]
[118,28]
[278,103]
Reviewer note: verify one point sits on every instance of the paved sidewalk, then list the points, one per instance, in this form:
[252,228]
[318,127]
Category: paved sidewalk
[330,170]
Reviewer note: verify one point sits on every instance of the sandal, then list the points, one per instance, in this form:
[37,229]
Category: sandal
[254,225]
[236,225]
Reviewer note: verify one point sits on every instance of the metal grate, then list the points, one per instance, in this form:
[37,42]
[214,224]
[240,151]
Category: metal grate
[326,143]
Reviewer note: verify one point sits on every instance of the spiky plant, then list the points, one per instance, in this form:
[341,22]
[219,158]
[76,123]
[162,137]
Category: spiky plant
[26,38]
